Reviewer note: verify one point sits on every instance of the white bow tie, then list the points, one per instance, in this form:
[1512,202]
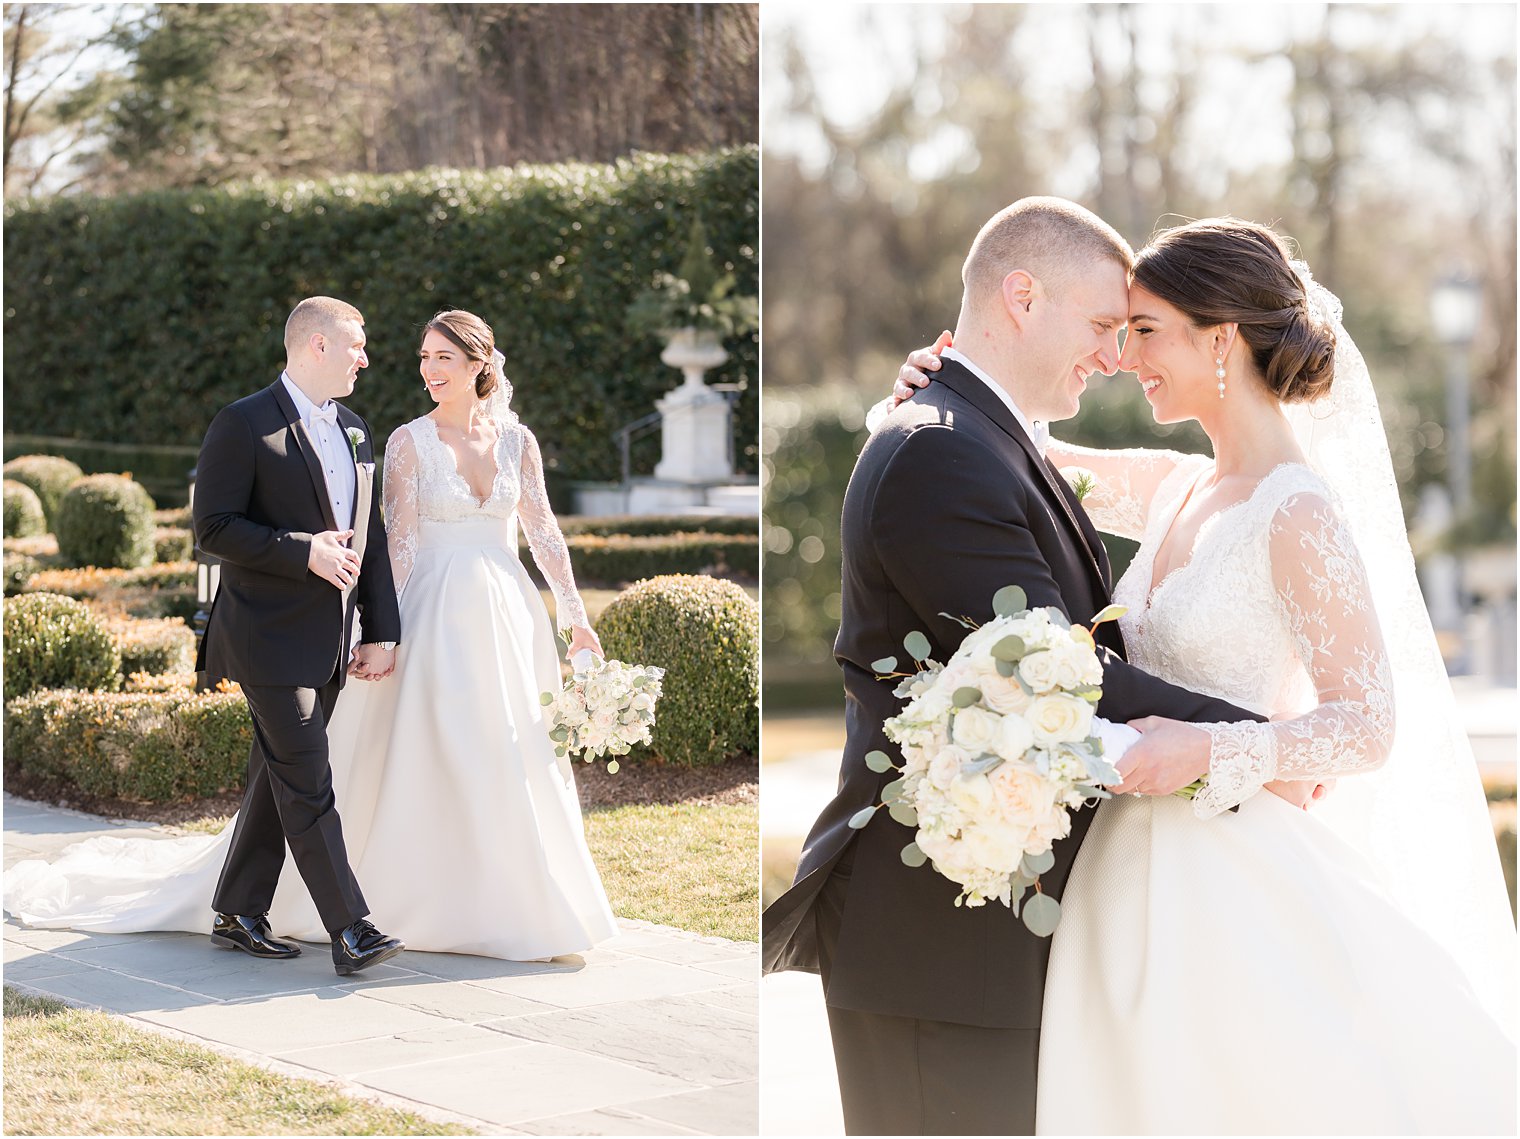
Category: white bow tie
[328,414]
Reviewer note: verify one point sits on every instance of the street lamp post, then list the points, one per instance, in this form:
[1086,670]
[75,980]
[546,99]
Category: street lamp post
[1455,305]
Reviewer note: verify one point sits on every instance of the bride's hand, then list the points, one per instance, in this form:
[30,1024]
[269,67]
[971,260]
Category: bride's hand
[1167,757]
[1301,793]
[914,372]
[583,638]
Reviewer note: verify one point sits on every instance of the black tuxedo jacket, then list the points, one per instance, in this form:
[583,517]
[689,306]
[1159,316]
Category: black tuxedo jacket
[259,497]
[949,502]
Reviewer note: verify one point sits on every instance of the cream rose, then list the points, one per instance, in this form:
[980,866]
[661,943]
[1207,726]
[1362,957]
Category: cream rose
[975,729]
[1014,737]
[1004,695]
[1059,718]
[946,765]
[1039,670]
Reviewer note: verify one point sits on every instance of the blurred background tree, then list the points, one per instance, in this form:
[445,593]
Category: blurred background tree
[1381,139]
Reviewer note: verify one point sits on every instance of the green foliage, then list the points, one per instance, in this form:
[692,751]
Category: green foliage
[696,296]
[149,746]
[173,544]
[23,511]
[192,288]
[705,633]
[48,475]
[638,525]
[53,641]
[106,521]
[163,590]
[620,558]
[19,569]
[156,647]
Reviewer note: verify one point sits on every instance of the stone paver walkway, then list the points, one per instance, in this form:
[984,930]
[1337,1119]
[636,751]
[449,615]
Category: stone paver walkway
[654,1032]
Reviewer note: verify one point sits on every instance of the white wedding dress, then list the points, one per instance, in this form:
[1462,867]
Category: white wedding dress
[1247,973]
[463,827]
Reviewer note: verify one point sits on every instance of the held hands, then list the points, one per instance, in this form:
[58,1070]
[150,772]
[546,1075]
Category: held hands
[912,375]
[331,560]
[371,662]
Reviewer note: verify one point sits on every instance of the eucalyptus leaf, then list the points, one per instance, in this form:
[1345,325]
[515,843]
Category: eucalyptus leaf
[885,664]
[612,767]
[1109,613]
[879,761]
[1006,668]
[965,697]
[981,765]
[904,814]
[560,734]
[861,817]
[913,856]
[559,751]
[1022,683]
[546,698]
[1042,914]
[1037,864]
[1010,647]
[917,645]
[893,791]
[1057,618]
[1009,600]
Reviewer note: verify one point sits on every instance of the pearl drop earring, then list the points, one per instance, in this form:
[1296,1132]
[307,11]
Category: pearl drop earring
[1219,372]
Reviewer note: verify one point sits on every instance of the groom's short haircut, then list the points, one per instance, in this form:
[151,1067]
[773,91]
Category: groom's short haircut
[317,314]
[1050,238]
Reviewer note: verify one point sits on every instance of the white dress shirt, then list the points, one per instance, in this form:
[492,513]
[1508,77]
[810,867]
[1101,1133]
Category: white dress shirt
[332,449]
[1038,433]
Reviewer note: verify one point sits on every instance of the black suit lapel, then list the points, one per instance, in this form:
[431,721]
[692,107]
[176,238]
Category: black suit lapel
[306,446]
[961,381]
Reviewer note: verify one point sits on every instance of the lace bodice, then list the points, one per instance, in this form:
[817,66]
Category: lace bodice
[1271,612]
[423,484]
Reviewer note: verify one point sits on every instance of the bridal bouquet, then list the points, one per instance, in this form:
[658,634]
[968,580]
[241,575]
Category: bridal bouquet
[999,748]
[604,709]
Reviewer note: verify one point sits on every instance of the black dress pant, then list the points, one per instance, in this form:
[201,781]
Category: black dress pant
[290,800]
[907,1076]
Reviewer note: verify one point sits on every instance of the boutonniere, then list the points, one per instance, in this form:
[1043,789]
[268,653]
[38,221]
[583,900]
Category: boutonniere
[355,437]
[1081,479]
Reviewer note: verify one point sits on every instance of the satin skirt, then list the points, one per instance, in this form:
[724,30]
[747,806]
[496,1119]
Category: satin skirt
[1245,975]
[462,826]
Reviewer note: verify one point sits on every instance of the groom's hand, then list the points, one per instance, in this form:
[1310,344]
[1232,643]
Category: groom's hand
[1167,757]
[331,560]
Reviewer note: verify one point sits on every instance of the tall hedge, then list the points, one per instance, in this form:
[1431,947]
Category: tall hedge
[181,296]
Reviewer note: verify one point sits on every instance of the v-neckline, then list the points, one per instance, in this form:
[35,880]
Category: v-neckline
[479,502]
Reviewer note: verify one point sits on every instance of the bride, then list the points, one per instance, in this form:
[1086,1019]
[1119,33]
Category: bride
[1274,971]
[459,818]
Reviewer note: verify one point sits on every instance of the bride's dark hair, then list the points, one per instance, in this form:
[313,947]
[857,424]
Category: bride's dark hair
[1222,270]
[474,338]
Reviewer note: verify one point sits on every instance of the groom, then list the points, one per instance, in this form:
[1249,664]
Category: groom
[935,1010]
[284,497]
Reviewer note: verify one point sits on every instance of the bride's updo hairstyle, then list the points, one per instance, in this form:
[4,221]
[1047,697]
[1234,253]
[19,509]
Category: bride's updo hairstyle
[1223,270]
[474,338]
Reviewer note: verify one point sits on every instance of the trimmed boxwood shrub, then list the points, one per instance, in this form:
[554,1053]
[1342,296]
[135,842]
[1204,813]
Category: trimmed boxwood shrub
[53,641]
[550,256]
[173,544]
[106,521]
[23,511]
[643,525]
[18,572]
[155,647]
[49,476]
[164,590]
[149,746]
[620,558]
[705,633]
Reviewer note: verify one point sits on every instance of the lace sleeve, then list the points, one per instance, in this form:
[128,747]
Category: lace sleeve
[1323,596]
[1125,482]
[545,540]
[400,493]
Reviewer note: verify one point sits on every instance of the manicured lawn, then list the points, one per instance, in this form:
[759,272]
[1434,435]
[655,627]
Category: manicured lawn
[688,865]
[74,1071]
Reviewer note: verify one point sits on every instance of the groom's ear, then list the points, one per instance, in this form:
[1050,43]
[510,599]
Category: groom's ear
[1020,290]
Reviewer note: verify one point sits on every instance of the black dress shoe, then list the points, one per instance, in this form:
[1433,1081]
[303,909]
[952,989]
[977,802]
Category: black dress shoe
[361,945]
[251,935]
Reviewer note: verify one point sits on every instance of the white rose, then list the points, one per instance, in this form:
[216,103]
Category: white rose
[1039,670]
[994,847]
[1014,737]
[1003,695]
[642,702]
[946,766]
[604,719]
[975,729]
[1059,718]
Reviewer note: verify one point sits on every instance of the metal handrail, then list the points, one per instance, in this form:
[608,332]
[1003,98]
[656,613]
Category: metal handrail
[625,434]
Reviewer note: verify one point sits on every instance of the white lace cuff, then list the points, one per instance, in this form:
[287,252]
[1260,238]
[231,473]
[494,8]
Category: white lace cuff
[1242,757]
